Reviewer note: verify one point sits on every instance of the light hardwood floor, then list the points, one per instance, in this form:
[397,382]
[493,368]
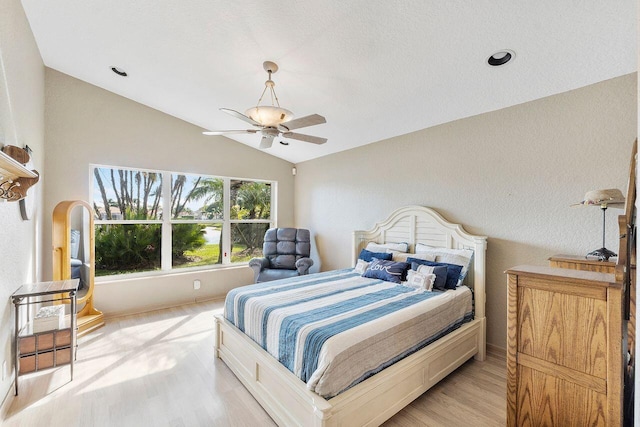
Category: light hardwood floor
[158,369]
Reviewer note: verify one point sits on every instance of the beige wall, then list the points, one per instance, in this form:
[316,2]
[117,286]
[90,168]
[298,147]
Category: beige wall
[86,124]
[21,122]
[510,175]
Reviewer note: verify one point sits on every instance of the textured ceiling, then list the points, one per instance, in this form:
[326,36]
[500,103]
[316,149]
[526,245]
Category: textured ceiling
[375,69]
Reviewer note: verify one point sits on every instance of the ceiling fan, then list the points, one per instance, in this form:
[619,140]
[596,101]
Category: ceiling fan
[272,120]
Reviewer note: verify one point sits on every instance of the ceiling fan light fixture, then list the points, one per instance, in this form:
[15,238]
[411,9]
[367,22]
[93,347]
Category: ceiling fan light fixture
[273,115]
[269,115]
[270,119]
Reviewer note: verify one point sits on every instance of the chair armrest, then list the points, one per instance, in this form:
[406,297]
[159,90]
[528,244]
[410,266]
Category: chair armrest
[303,265]
[258,264]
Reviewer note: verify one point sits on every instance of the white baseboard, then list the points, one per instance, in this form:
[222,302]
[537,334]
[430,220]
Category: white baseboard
[149,309]
[6,402]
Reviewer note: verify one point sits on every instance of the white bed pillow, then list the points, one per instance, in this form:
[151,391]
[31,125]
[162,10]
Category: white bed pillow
[387,247]
[361,266]
[402,257]
[462,257]
[417,279]
[422,248]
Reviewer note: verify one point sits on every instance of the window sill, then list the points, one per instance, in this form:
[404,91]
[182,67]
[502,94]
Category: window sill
[169,273]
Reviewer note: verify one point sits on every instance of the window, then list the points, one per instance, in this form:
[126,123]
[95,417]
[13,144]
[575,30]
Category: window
[250,217]
[153,220]
[197,217]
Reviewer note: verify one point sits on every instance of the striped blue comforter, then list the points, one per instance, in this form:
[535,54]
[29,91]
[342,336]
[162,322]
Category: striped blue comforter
[335,329]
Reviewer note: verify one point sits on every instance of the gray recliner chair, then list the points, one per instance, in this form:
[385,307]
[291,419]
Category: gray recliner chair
[286,254]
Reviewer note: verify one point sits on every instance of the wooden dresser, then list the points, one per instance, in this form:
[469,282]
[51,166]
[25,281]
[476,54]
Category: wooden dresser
[564,348]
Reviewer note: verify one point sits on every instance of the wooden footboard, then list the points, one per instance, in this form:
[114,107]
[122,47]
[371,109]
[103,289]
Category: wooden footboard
[288,401]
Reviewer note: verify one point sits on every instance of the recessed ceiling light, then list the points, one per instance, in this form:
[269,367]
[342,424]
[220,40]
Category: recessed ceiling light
[501,57]
[119,71]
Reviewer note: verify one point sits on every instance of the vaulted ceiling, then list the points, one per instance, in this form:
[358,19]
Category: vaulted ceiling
[374,68]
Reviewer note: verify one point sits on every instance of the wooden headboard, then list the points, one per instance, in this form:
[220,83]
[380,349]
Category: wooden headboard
[419,224]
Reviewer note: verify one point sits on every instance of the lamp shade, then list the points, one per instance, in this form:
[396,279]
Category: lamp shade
[602,198]
[269,115]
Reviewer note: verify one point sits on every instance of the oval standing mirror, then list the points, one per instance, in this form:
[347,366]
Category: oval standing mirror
[74,257]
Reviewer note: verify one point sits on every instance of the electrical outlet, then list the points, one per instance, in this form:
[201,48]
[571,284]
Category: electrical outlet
[196,284]
[4,370]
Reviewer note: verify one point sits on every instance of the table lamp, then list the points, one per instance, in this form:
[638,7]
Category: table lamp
[603,199]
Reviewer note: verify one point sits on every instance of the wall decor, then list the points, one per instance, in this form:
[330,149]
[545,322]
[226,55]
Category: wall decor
[28,203]
[15,177]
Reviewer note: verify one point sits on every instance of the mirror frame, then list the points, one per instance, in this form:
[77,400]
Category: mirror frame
[88,317]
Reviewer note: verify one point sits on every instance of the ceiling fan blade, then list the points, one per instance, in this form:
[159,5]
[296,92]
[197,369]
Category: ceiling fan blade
[240,116]
[302,122]
[228,132]
[266,141]
[306,138]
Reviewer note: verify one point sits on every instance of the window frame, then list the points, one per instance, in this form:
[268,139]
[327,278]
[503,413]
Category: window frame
[167,221]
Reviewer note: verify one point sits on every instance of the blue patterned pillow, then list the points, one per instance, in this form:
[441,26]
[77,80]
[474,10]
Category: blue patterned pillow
[368,256]
[453,271]
[387,270]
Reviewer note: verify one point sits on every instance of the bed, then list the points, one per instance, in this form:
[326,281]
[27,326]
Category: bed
[289,401]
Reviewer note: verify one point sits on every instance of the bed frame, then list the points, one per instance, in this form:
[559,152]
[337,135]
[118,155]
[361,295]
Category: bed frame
[286,398]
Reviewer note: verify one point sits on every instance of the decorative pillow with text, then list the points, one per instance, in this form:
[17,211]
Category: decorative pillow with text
[387,270]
